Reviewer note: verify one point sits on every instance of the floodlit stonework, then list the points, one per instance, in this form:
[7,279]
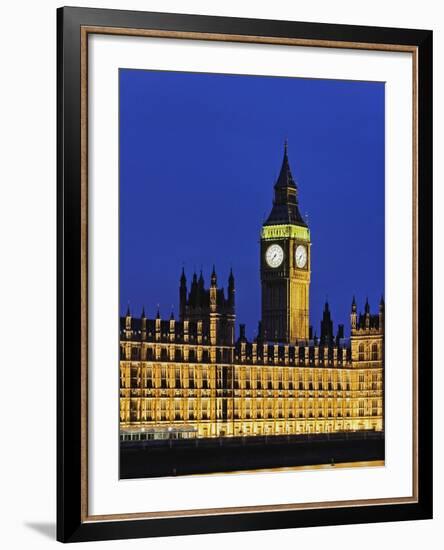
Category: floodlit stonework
[191,377]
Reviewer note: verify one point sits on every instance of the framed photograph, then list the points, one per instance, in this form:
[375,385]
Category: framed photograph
[244,274]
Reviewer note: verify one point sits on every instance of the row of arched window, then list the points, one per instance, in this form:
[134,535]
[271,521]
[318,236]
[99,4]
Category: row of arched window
[374,353]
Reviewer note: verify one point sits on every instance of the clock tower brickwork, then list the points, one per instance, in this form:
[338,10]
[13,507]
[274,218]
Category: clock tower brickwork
[285,285]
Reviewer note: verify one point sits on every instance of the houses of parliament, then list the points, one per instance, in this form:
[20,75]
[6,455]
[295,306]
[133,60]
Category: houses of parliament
[192,377]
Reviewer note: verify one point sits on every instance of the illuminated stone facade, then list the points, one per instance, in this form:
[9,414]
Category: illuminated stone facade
[191,377]
[285,275]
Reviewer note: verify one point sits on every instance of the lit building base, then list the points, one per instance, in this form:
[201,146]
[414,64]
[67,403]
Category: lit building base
[143,432]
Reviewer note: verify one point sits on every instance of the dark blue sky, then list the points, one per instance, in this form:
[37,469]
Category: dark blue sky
[199,155]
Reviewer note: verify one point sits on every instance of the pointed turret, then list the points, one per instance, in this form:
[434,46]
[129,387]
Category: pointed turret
[353,315]
[231,289]
[242,337]
[381,312]
[367,306]
[259,332]
[193,291]
[143,324]
[339,334]
[200,294]
[128,318]
[182,295]
[367,314]
[285,204]
[326,327]
[201,282]
[213,277]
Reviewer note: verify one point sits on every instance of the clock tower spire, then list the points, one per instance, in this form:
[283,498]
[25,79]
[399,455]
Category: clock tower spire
[285,263]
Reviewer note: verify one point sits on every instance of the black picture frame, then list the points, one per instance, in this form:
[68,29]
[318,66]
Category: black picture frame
[72,523]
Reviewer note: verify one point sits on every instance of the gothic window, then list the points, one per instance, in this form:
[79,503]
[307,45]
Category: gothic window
[163,410]
[361,352]
[163,378]
[177,378]
[310,410]
[190,410]
[259,409]
[149,377]
[204,379]
[191,379]
[177,409]
[301,409]
[134,378]
[236,379]
[375,352]
[133,410]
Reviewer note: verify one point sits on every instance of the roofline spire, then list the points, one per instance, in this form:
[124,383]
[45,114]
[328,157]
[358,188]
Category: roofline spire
[285,208]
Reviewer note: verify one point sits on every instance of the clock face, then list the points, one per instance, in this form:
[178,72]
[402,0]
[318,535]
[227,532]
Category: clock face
[301,256]
[274,255]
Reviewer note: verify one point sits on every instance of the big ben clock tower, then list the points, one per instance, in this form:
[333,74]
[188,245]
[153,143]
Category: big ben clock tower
[285,264]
